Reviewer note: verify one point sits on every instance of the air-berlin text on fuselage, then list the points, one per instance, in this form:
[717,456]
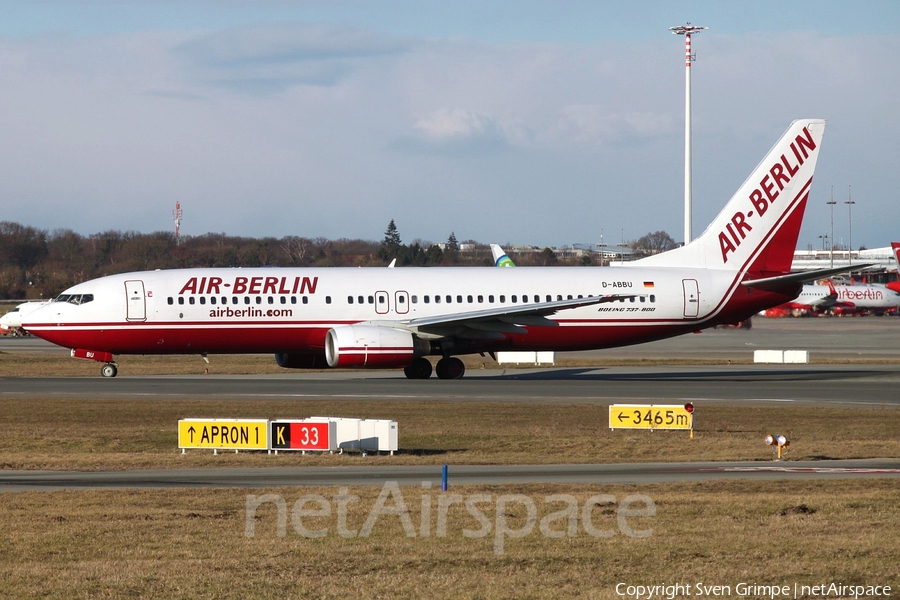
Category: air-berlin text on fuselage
[251,285]
[770,186]
[865,293]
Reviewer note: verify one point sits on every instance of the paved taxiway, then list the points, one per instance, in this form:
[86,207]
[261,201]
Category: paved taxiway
[871,339]
[458,475]
[745,385]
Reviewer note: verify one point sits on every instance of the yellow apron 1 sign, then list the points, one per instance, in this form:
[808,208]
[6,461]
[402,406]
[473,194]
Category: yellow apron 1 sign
[651,416]
[224,434]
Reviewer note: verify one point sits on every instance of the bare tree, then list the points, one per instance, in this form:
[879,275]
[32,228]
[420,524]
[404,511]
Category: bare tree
[654,243]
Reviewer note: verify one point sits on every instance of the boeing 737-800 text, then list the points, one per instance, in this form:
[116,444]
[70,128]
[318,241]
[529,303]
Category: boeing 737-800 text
[397,317]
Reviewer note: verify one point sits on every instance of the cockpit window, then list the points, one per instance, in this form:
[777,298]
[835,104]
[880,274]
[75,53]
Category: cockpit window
[75,298]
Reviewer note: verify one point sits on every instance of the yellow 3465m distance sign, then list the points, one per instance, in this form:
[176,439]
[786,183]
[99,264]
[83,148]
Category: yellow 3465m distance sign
[651,416]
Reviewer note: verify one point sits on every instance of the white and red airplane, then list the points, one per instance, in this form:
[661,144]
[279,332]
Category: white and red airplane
[387,318]
[11,322]
[857,298]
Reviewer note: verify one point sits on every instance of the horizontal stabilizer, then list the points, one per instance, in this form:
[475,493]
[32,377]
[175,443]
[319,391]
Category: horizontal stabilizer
[774,284]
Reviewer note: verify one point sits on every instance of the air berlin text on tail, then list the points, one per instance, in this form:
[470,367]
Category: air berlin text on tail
[778,176]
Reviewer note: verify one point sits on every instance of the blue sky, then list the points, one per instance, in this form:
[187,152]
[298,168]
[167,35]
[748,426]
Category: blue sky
[511,122]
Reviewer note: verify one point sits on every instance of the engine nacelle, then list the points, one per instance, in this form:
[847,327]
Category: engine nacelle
[301,361]
[372,346]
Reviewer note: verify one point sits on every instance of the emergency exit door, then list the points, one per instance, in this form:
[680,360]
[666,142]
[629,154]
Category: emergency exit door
[691,298]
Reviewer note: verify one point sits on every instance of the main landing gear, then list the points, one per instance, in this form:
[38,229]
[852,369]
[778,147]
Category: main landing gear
[448,367]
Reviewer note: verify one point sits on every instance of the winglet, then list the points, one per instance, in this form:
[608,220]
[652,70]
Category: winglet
[895,248]
[500,257]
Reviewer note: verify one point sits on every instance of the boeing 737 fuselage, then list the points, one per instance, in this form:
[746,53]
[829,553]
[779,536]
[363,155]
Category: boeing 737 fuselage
[397,317]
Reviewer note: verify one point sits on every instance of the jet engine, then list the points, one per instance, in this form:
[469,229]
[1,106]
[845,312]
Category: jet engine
[372,346]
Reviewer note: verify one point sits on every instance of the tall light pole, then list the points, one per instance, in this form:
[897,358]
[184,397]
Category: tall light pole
[687,31]
[832,203]
[176,216]
[850,204]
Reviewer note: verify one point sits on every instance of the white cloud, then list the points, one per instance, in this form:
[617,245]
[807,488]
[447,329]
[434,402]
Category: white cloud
[275,57]
[346,129]
[594,124]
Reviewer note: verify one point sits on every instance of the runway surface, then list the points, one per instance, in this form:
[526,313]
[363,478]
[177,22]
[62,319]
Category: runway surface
[635,473]
[872,339]
[874,385]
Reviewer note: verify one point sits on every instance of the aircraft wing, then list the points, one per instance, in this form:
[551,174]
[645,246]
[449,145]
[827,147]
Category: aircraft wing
[774,284]
[506,319]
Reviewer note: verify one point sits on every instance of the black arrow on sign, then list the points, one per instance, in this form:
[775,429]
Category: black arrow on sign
[622,417]
[191,431]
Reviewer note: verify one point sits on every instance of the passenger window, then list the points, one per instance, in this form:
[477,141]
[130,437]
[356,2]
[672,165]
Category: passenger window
[652,297]
[284,300]
[437,298]
[401,300]
[293,299]
[180,299]
[170,301]
[361,299]
[643,298]
[414,299]
[381,299]
[349,299]
[491,298]
[202,299]
[259,299]
[191,300]
[427,299]
[305,300]
[234,300]
[246,299]
[459,299]
[469,298]
[271,300]
[549,298]
[514,298]
[502,298]
[449,299]
[569,297]
[327,299]
[371,299]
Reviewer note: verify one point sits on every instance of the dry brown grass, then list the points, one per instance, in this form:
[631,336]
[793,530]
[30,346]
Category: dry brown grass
[136,433]
[192,544]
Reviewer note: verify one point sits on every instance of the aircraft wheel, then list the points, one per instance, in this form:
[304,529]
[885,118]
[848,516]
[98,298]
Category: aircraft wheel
[109,370]
[420,368]
[450,368]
